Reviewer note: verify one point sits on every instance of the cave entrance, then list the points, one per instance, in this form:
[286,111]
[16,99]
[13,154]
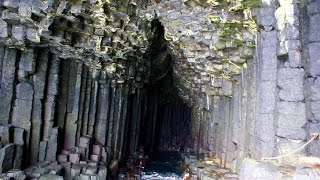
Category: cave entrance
[165,130]
[166,124]
[165,127]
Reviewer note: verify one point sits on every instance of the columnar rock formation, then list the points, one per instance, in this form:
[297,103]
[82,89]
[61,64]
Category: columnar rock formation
[93,80]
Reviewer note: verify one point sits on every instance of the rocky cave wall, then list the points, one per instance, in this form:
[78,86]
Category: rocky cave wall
[78,71]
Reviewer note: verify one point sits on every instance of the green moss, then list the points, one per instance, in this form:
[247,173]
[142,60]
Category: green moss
[219,46]
[250,44]
[239,7]
[251,3]
[283,57]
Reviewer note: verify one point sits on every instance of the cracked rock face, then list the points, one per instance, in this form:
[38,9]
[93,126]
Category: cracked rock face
[210,40]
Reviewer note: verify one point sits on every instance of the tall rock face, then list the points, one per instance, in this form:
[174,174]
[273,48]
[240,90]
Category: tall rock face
[94,79]
[67,71]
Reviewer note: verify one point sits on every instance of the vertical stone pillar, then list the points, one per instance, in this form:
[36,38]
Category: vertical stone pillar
[267,86]
[291,108]
[103,109]
[23,107]
[61,107]
[7,83]
[70,129]
[309,20]
[85,115]
[93,103]
[41,57]
[52,91]
[123,122]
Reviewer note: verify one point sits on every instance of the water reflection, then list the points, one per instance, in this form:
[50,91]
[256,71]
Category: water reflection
[164,165]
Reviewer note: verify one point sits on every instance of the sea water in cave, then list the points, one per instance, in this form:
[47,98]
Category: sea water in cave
[165,137]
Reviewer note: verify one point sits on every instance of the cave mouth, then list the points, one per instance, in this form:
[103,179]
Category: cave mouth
[165,131]
[170,113]
[165,127]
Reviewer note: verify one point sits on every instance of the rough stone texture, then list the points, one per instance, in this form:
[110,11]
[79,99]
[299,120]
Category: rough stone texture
[314,58]
[52,148]
[6,133]
[50,177]
[6,157]
[22,110]
[290,82]
[35,132]
[7,79]
[42,151]
[18,156]
[307,173]
[291,119]
[313,148]
[252,169]
[18,136]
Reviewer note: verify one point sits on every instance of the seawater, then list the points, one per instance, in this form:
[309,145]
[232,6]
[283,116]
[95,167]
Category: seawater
[163,166]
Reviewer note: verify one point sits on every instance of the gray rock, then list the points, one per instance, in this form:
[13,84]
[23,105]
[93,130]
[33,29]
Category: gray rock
[267,97]
[295,58]
[291,119]
[38,172]
[27,61]
[39,79]
[36,121]
[315,111]
[314,146]
[91,170]
[7,81]
[3,29]
[11,4]
[314,28]
[24,9]
[52,145]
[291,83]
[6,157]
[314,55]
[33,35]
[22,116]
[315,89]
[24,91]
[67,170]
[267,17]
[18,136]
[6,132]
[17,174]
[102,172]
[306,174]
[53,84]
[55,169]
[251,169]
[75,170]
[292,33]
[18,156]
[42,151]
[226,87]
[18,32]
[50,177]
[313,8]
[265,124]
